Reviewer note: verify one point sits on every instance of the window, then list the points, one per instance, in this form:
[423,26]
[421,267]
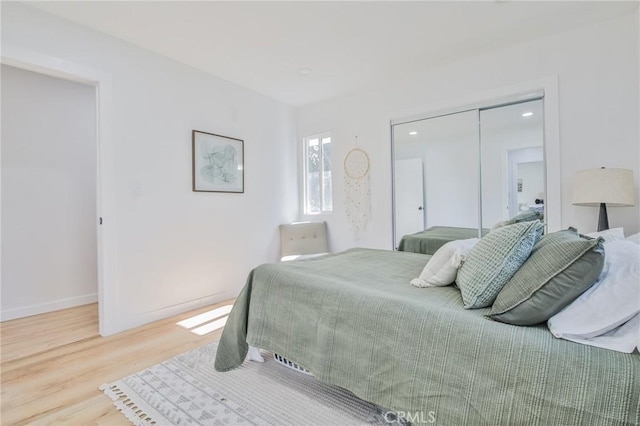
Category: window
[317,174]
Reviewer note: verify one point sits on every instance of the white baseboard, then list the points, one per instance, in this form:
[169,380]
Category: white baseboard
[41,308]
[128,321]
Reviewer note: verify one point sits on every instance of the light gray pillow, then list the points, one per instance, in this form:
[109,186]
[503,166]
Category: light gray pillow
[635,238]
[526,216]
[561,267]
[494,260]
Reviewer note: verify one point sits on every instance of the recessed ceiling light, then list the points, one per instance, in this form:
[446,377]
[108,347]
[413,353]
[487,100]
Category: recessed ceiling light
[304,71]
[413,133]
[527,114]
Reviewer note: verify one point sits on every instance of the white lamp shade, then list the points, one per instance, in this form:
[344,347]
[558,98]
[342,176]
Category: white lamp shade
[614,187]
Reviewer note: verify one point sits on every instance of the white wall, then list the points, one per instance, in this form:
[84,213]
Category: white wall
[48,193]
[176,249]
[597,71]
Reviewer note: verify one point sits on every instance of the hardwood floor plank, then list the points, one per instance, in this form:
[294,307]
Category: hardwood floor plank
[27,336]
[95,410]
[59,385]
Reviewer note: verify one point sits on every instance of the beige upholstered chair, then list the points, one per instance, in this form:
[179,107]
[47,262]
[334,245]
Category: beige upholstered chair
[303,239]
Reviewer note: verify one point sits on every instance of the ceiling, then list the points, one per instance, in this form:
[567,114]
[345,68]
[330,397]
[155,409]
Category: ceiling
[346,45]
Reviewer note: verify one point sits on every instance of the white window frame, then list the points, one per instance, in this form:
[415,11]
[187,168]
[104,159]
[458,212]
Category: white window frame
[305,174]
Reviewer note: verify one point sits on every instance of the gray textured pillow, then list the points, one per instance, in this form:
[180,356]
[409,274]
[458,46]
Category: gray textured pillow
[494,260]
[561,267]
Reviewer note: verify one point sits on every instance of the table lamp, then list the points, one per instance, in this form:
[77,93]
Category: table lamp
[599,187]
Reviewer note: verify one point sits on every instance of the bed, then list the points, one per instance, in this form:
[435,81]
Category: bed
[352,320]
[431,239]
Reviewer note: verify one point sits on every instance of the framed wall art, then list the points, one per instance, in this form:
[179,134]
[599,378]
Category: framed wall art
[218,163]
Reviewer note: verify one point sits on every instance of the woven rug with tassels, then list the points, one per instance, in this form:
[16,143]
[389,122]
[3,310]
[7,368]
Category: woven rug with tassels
[186,390]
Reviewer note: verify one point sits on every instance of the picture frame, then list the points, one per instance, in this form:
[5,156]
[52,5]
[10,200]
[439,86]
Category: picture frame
[217,163]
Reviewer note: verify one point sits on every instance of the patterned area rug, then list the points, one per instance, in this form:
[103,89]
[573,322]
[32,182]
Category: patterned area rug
[186,390]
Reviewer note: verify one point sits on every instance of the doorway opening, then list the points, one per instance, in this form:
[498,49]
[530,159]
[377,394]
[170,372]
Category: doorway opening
[49,183]
[105,219]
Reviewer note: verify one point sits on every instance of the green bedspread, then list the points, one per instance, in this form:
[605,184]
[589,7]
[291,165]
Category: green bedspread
[431,239]
[353,320]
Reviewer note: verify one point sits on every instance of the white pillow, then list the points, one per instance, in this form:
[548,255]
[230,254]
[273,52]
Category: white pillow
[609,235]
[624,338]
[612,301]
[635,238]
[442,268]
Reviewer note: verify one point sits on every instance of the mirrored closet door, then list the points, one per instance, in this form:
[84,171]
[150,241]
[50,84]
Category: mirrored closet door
[512,161]
[459,174]
[436,173]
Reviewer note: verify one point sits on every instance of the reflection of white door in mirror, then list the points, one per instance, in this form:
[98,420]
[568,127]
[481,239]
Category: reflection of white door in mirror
[409,197]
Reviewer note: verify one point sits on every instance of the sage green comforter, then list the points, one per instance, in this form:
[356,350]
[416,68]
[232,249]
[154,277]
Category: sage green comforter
[353,320]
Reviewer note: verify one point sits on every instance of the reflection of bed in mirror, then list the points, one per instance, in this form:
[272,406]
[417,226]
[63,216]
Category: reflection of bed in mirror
[430,240]
[459,173]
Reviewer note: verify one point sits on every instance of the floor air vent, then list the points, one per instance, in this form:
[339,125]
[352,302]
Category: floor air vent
[292,365]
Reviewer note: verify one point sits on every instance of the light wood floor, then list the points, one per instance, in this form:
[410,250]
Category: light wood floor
[52,364]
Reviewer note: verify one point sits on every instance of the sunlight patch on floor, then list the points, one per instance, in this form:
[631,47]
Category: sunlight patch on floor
[208,321]
[212,326]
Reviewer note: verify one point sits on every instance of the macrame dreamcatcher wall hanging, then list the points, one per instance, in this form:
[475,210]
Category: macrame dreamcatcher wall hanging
[357,189]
